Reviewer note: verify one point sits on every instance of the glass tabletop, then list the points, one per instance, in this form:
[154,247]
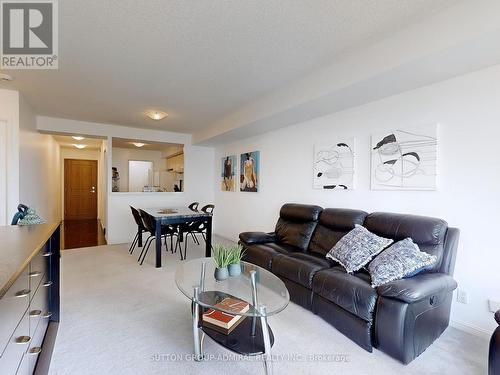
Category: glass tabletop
[174,211]
[271,291]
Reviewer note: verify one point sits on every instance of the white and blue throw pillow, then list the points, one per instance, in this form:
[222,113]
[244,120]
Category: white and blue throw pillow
[402,259]
[357,248]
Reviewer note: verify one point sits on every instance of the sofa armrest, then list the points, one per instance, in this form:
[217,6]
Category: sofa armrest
[418,287]
[494,352]
[252,238]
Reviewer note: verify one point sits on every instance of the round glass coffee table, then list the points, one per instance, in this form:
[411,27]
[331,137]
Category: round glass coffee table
[266,294]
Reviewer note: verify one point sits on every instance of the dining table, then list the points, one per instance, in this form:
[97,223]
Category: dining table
[174,216]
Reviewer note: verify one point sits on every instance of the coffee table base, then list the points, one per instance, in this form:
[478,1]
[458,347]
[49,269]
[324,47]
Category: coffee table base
[240,340]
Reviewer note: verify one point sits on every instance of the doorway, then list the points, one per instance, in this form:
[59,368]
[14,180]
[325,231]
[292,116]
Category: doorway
[80,189]
[81,227]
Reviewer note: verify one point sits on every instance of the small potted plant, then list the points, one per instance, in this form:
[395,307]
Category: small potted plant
[234,267]
[221,259]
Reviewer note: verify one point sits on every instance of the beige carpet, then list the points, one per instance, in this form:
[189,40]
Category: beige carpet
[121,318]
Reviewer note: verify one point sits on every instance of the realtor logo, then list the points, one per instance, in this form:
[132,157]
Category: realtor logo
[28,34]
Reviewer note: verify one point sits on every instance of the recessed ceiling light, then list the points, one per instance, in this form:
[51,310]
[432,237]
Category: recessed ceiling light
[77,138]
[80,146]
[5,77]
[156,115]
[138,144]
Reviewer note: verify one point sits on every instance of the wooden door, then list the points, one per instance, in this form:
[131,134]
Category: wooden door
[80,189]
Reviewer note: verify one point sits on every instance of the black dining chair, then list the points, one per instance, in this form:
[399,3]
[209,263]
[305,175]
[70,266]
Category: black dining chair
[149,224]
[194,206]
[176,227]
[185,226]
[195,228]
[140,228]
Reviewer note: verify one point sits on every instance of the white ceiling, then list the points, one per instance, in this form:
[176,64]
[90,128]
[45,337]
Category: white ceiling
[68,141]
[200,60]
[148,145]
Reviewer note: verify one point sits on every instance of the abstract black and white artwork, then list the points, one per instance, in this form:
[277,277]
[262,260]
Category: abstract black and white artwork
[334,165]
[404,159]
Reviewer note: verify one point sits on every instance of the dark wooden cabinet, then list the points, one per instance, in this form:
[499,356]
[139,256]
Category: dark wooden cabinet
[29,298]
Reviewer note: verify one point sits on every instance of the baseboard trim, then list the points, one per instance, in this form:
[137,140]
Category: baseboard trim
[224,238]
[473,330]
[102,226]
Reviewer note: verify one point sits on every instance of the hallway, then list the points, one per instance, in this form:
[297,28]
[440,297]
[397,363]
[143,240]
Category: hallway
[82,233]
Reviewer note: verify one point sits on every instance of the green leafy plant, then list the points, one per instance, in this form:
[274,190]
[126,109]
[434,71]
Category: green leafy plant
[222,256]
[236,253]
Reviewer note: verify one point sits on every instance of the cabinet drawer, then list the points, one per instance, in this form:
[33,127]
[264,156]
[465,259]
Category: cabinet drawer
[24,366]
[18,345]
[13,305]
[39,305]
[38,268]
[35,347]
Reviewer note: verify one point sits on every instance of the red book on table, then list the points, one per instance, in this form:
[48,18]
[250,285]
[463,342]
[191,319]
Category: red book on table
[223,319]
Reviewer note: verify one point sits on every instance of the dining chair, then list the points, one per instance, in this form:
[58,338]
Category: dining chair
[195,228]
[176,227]
[194,206]
[140,228]
[149,224]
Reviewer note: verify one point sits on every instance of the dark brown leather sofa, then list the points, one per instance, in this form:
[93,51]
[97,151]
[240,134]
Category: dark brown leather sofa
[401,318]
[494,357]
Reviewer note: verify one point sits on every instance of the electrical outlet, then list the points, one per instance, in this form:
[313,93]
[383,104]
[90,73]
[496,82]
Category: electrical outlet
[494,305]
[462,296]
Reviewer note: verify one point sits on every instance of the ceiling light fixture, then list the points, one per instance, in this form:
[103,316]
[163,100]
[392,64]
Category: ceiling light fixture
[5,77]
[156,115]
[77,137]
[138,144]
[79,146]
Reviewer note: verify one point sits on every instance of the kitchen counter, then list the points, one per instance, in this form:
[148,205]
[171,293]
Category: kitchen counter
[18,246]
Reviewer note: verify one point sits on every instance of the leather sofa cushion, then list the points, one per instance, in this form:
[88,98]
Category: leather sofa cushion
[300,213]
[351,292]
[263,254]
[296,224]
[294,234]
[299,267]
[427,232]
[333,224]
[257,237]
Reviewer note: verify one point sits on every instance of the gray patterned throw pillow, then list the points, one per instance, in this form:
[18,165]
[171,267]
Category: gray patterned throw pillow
[357,248]
[402,259]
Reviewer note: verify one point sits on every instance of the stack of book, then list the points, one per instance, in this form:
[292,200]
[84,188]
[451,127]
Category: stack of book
[224,322]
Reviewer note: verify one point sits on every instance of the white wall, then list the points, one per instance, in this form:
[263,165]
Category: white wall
[198,172]
[29,156]
[9,113]
[468,111]
[3,172]
[39,167]
[103,188]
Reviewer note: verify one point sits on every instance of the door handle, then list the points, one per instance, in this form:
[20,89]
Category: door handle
[92,189]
